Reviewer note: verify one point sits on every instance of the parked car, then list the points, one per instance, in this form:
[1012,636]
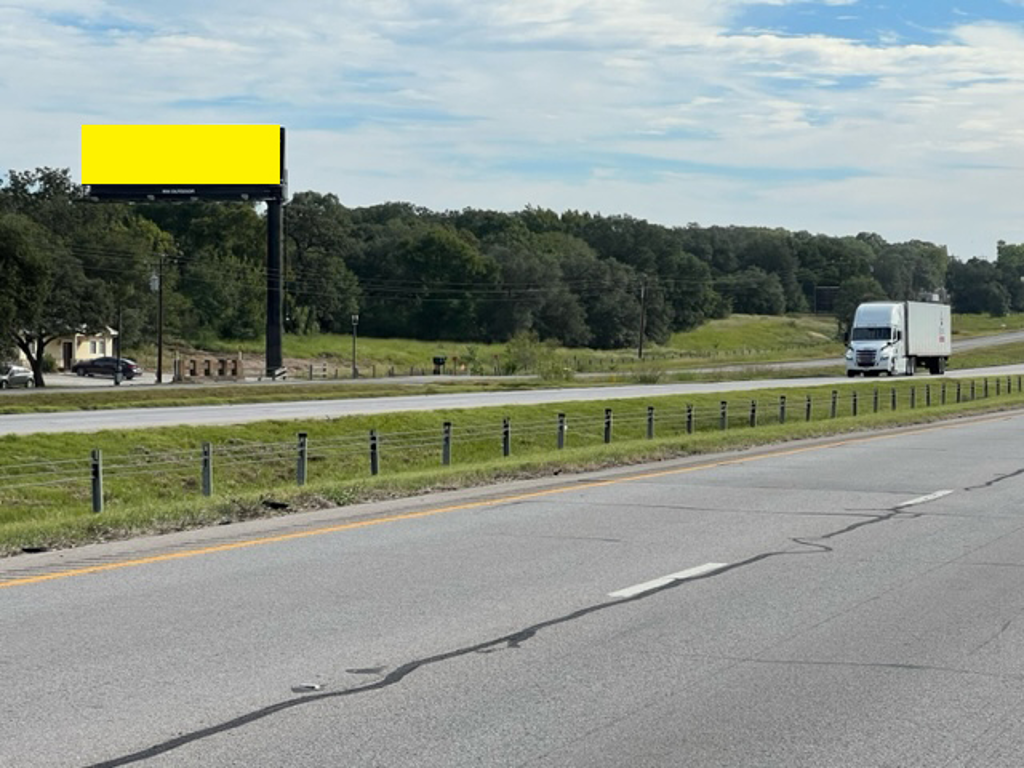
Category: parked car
[15,376]
[105,366]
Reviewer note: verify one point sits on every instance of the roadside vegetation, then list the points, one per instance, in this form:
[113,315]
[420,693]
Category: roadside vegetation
[153,479]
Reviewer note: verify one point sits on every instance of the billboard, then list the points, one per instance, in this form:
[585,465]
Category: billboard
[148,162]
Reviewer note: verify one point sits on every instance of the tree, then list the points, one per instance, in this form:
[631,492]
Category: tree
[975,287]
[51,295]
[854,291]
[754,292]
[322,290]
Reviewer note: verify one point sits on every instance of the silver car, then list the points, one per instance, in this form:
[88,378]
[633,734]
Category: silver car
[15,376]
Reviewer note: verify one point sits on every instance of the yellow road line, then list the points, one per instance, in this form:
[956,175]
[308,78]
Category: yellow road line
[469,505]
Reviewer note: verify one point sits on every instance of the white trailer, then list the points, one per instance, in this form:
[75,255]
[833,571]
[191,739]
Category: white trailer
[897,337]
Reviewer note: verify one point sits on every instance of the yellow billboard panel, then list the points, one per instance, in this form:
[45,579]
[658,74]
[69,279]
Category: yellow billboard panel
[181,154]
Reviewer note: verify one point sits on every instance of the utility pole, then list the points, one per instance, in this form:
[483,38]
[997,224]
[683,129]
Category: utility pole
[355,322]
[643,316]
[160,323]
[117,346]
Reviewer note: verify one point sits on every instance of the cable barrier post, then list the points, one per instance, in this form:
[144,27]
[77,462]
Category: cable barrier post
[446,444]
[506,437]
[207,469]
[97,480]
[782,409]
[689,419]
[303,460]
[607,425]
[650,422]
[374,452]
[561,431]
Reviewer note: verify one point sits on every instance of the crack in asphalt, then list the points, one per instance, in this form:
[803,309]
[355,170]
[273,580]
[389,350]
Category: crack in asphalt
[901,667]
[512,641]
[996,479]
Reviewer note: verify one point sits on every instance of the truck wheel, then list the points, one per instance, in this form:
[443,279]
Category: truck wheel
[850,374]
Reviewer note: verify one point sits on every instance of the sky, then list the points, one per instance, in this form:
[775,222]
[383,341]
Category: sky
[904,118]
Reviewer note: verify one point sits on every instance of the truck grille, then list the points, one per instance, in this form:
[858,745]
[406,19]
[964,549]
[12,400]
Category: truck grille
[865,357]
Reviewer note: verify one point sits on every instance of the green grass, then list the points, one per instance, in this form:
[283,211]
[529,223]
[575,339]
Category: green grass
[965,326]
[1001,354]
[152,477]
[761,336]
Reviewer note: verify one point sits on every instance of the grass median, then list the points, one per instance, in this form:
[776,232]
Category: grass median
[153,478]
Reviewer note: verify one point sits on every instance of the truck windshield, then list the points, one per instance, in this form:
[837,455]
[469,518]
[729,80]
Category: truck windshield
[871,334]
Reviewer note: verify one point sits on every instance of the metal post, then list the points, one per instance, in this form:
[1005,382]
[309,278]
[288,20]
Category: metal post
[998,387]
[959,393]
[893,398]
[984,387]
[834,410]
[853,405]
[561,431]
[650,422]
[913,398]
[97,480]
[310,371]
[446,444]
[973,390]
[160,323]
[506,437]
[117,346]
[607,425]
[355,370]
[374,453]
[207,469]
[275,288]
[874,404]
[807,409]
[753,413]
[723,414]
[300,470]
[689,419]
[942,394]
[643,317]
[928,395]
[782,409]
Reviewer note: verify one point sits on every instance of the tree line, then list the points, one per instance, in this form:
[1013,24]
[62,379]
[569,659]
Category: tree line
[579,278]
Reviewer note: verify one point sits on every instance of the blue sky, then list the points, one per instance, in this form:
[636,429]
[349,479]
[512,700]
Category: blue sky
[904,118]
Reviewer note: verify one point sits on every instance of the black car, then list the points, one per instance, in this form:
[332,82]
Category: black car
[105,366]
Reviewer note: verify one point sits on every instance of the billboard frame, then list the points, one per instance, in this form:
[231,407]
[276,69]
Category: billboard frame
[274,195]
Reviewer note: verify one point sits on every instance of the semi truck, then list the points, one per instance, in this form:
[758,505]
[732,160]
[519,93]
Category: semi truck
[897,337]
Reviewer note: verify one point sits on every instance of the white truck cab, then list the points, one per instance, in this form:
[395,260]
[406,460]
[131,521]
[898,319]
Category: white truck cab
[895,337]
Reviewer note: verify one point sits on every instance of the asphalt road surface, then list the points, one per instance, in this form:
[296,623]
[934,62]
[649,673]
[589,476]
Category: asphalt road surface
[850,602]
[137,418]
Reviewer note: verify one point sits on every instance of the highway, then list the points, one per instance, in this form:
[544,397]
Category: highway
[854,601]
[139,418]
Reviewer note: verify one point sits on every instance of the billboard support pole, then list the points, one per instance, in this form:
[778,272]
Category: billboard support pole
[275,289]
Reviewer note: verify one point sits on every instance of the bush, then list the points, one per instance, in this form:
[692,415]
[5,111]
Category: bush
[525,353]
[49,364]
[648,374]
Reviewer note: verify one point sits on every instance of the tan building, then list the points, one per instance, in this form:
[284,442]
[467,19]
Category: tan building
[68,350]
